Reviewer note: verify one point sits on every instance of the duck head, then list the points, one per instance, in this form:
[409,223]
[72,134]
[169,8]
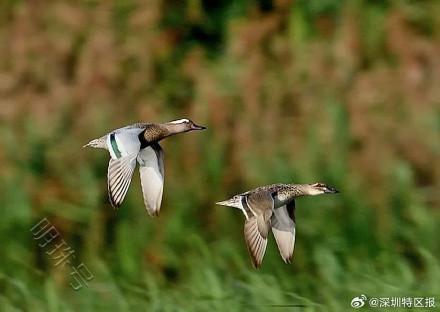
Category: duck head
[320,188]
[183,125]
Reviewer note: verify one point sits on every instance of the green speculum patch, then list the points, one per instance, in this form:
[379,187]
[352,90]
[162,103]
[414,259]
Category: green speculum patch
[115,145]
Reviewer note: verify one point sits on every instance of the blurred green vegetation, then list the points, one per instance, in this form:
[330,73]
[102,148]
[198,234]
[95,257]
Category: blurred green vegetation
[343,92]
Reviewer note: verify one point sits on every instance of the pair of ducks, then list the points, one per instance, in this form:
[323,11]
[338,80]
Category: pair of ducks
[266,207]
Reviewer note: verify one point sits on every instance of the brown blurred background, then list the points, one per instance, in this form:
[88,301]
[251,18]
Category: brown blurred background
[343,92]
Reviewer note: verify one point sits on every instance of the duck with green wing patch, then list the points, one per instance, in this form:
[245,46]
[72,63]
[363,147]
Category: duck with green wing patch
[139,143]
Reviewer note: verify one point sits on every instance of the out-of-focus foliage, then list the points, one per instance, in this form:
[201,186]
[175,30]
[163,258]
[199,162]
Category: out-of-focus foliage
[344,92]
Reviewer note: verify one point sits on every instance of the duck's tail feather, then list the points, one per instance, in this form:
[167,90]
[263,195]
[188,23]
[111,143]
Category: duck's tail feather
[97,143]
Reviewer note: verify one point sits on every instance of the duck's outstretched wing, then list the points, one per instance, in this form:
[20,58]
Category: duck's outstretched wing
[152,174]
[119,174]
[256,228]
[283,229]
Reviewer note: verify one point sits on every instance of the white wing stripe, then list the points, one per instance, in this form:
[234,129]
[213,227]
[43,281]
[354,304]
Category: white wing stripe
[119,175]
[123,188]
[120,188]
[118,184]
[116,173]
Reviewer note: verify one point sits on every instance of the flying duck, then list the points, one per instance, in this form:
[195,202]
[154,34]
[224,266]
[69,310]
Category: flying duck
[139,142]
[272,207]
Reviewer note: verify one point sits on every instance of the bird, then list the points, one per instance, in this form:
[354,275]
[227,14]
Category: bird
[272,207]
[139,142]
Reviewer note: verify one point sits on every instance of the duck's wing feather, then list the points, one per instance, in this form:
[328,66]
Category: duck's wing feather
[256,228]
[119,174]
[283,229]
[124,142]
[152,177]
[255,242]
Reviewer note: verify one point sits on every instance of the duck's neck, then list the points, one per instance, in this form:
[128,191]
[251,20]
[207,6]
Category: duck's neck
[174,128]
[295,190]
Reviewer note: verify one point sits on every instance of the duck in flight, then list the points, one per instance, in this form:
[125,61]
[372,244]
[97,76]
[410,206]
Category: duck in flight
[272,207]
[139,142]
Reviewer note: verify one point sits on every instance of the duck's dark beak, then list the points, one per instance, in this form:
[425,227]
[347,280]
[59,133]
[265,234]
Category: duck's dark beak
[197,127]
[330,190]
